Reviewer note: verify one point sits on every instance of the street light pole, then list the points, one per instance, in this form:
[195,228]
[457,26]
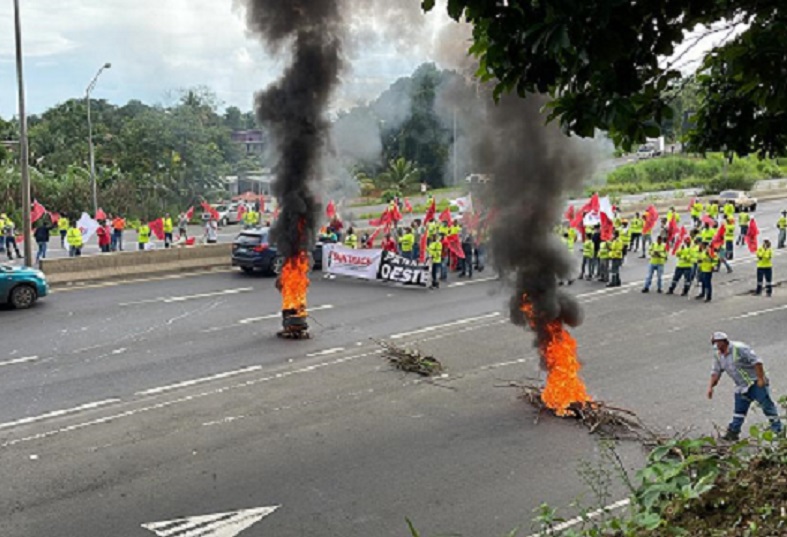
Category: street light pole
[91,151]
[23,147]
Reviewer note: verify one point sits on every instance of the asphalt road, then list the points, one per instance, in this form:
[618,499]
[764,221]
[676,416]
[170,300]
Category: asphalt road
[125,405]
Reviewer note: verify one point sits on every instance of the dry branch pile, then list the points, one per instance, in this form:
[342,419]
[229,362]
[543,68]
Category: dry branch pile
[600,418]
[410,360]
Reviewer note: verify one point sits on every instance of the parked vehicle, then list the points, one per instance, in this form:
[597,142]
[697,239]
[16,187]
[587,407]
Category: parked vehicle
[645,152]
[21,287]
[253,251]
[740,198]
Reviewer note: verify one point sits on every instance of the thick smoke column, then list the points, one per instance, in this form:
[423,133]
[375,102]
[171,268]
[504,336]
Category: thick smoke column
[534,167]
[294,107]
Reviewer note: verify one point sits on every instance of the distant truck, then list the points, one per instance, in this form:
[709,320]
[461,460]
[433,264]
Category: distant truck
[653,147]
[479,178]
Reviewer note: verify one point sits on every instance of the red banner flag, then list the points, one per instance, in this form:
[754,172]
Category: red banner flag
[370,240]
[385,219]
[407,206]
[672,231]
[651,217]
[276,214]
[454,245]
[190,213]
[708,220]
[751,236]
[422,248]
[595,205]
[396,216]
[100,214]
[430,212]
[210,210]
[718,239]
[241,211]
[330,210]
[681,237]
[37,212]
[607,228]
[157,228]
[445,216]
[569,213]
[691,204]
[54,216]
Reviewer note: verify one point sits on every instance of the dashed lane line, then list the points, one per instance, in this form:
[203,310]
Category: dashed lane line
[57,413]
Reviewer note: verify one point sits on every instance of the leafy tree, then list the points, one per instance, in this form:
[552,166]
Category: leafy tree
[602,64]
[401,175]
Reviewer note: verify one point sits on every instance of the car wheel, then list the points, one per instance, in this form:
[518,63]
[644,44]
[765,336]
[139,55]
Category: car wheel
[23,297]
[753,208]
[276,264]
[223,222]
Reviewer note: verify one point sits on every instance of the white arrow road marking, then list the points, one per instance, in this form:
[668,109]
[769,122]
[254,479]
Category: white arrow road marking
[218,525]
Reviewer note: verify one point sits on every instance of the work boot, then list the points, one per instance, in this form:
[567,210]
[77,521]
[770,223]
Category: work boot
[645,290]
[659,291]
[729,269]
[685,291]
[731,436]
[671,291]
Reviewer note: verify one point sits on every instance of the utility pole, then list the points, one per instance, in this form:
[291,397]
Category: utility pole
[90,88]
[455,162]
[23,148]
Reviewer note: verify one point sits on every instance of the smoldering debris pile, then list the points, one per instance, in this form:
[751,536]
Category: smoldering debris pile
[410,360]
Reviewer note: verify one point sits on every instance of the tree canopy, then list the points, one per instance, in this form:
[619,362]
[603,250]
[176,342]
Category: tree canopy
[614,66]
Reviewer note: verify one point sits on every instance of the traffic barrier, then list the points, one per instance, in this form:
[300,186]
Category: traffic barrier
[136,263]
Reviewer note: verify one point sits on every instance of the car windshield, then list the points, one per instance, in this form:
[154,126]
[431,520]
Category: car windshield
[221,208]
[730,195]
[251,239]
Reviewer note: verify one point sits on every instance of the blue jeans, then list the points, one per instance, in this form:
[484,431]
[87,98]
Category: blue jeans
[444,269]
[659,270]
[117,240]
[763,398]
[767,275]
[436,274]
[706,279]
[42,246]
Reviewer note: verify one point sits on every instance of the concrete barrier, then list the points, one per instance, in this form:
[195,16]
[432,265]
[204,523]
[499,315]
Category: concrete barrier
[124,264]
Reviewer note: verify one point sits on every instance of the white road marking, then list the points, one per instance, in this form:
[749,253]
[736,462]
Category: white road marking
[471,282]
[578,520]
[326,352]
[194,382]
[278,315]
[57,413]
[173,299]
[80,287]
[753,313]
[446,325]
[19,360]
[217,525]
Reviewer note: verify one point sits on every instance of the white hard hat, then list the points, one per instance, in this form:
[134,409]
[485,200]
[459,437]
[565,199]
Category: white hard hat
[719,336]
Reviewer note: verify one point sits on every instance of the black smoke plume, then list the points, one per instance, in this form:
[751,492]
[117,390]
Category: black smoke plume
[534,166]
[294,107]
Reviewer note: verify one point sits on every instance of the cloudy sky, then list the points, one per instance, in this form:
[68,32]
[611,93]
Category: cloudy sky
[159,46]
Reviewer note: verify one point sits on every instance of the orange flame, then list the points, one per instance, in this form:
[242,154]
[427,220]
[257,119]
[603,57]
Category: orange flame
[564,385]
[294,283]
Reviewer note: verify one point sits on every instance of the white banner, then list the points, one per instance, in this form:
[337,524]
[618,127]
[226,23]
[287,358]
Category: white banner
[465,204]
[87,226]
[344,261]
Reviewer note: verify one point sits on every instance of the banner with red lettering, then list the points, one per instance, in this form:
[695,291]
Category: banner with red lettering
[344,261]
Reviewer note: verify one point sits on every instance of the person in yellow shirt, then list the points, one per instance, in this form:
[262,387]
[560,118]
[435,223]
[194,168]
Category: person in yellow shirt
[351,240]
[435,251]
[743,223]
[658,257]
[707,260]
[764,268]
[143,236]
[683,268]
[781,225]
[62,226]
[74,239]
[168,227]
[616,259]
[407,243]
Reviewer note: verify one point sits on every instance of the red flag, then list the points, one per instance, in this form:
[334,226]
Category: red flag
[157,228]
[54,216]
[395,214]
[569,213]
[445,216]
[190,213]
[100,214]
[276,213]
[430,212]
[578,224]
[607,228]
[37,212]
[241,211]
[370,240]
[422,248]
[751,236]
[681,237]
[708,220]
[651,217]
[262,203]
[672,231]
[691,204]
[407,206]
[454,245]
[385,218]
[718,239]
[594,204]
[210,210]
[330,210]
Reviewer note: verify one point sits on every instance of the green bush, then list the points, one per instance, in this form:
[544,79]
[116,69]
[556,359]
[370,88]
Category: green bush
[388,195]
[734,180]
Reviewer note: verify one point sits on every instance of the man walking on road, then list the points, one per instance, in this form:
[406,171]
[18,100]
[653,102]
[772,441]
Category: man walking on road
[781,224]
[658,257]
[745,368]
[765,268]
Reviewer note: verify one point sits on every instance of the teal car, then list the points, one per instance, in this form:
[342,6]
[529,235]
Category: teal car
[21,286]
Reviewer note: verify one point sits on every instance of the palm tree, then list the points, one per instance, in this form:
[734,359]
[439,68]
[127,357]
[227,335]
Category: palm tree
[402,175]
